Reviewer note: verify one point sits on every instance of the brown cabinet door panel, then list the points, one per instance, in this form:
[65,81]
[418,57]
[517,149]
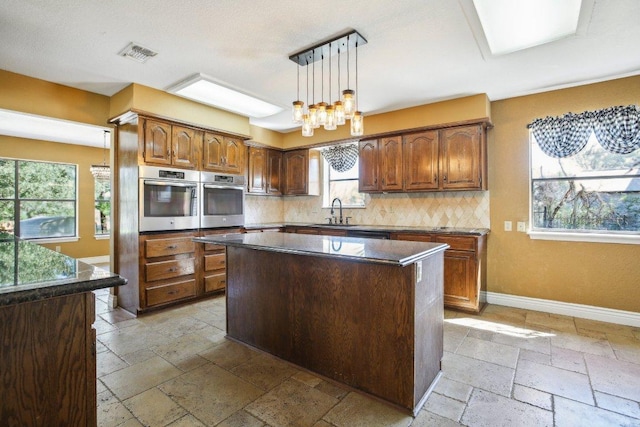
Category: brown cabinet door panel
[459,279]
[390,152]
[257,170]
[215,262]
[368,166]
[169,269]
[165,247]
[461,157]
[296,171]
[421,161]
[172,292]
[274,173]
[234,156]
[157,142]
[462,243]
[212,151]
[184,142]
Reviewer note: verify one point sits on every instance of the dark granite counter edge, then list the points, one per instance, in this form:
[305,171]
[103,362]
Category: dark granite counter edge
[400,263]
[384,228]
[40,293]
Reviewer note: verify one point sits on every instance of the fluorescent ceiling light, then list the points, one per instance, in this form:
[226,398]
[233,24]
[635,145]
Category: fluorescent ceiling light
[511,25]
[23,125]
[205,90]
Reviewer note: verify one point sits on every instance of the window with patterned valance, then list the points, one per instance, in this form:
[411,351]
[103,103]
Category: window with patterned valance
[585,173]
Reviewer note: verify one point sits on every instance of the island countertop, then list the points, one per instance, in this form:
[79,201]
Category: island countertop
[31,272]
[394,252]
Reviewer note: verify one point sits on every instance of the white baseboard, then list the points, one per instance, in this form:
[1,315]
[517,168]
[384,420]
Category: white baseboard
[96,259]
[601,314]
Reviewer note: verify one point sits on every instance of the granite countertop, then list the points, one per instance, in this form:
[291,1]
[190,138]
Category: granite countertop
[394,252]
[31,272]
[387,228]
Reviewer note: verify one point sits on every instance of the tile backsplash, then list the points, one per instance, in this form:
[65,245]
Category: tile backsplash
[464,209]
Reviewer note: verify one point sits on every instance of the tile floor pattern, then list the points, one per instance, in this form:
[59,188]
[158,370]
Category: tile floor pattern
[506,367]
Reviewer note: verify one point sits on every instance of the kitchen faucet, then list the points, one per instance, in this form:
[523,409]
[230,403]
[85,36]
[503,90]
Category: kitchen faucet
[333,203]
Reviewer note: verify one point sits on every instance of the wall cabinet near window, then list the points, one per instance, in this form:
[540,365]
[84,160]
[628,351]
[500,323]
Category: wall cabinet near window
[433,160]
[223,154]
[167,144]
[464,268]
[265,171]
[301,170]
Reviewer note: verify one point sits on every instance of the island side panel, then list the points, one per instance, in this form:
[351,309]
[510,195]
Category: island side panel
[429,321]
[352,322]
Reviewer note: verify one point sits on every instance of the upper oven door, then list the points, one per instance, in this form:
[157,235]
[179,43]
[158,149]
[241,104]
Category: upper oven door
[168,205]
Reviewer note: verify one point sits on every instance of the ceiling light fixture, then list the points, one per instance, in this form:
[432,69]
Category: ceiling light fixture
[206,90]
[345,107]
[103,171]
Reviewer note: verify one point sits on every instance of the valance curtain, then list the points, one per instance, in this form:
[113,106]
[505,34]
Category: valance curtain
[341,157]
[617,129]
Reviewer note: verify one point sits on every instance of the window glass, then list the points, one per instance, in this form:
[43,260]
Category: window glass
[343,185]
[594,190]
[38,199]
[102,212]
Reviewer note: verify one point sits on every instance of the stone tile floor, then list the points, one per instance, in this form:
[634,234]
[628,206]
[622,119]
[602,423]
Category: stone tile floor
[506,367]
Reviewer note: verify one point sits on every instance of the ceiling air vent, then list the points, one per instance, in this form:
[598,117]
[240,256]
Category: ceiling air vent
[137,53]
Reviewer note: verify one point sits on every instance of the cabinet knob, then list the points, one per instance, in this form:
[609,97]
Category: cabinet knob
[172,247]
[445,178]
[172,269]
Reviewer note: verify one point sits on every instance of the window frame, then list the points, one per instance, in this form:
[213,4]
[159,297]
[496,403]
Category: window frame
[326,182]
[595,236]
[17,201]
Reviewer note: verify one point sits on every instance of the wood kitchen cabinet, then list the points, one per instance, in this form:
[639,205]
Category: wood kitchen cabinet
[381,164]
[169,145]
[223,154]
[167,269]
[464,268]
[265,171]
[301,169]
[212,270]
[449,159]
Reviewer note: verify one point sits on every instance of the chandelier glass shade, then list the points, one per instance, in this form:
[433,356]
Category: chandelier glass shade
[103,171]
[345,107]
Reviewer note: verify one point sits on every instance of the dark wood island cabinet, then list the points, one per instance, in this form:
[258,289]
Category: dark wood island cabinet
[367,313]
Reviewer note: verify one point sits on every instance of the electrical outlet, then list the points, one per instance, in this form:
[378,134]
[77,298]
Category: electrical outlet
[57,248]
[522,226]
[507,226]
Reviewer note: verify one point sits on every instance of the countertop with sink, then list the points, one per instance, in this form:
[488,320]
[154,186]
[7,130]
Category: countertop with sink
[378,228]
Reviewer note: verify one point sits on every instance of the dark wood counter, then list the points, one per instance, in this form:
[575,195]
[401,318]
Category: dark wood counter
[367,313]
[48,346]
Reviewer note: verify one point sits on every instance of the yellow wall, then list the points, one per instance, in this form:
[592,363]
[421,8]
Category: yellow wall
[475,107]
[604,275]
[20,148]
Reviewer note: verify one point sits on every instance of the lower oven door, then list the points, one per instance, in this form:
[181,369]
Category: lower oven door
[222,206]
[168,205]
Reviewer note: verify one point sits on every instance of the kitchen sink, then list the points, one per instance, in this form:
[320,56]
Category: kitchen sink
[326,224]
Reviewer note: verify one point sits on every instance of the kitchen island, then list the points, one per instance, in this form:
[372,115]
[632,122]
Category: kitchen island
[367,313]
[48,345]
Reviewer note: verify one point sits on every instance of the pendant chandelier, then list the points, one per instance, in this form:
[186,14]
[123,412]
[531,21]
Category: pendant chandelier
[341,106]
[102,171]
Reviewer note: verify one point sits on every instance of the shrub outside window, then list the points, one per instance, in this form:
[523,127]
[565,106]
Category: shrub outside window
[37,199]
[102,205]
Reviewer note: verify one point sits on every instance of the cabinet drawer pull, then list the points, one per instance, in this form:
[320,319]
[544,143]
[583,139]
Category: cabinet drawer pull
[172,247]
[172,269]
[172,292]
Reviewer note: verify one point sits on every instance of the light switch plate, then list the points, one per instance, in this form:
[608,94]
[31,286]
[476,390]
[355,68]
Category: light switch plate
[507,226]
[522,226]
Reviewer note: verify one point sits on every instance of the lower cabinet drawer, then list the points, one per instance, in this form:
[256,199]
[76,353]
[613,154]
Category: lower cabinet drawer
[215,262]
[460,243]
[215,282]
[172,292]
[168,269]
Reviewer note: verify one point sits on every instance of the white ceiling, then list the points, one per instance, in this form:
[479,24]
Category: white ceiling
[418,51]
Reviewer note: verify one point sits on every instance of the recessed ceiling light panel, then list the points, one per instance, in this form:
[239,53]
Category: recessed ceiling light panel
[204,89]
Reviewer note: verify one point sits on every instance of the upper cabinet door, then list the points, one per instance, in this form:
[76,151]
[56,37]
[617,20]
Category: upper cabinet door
[257,170]
[157,143]
[296,172]
[390,152]
[462,158]
[213,152]
[274,173]
[234,155]
[421,161]
[368,166]
[184,142]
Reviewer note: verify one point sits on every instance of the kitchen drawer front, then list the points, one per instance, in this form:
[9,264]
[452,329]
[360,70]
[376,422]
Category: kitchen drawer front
[172,292]
[215,282]
[460,243]
[213,247]
[415,237]
[169,269]
[166,247]
[215,262]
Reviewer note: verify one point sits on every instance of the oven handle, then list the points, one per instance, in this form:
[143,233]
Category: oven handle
[171,184]
[232,187]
